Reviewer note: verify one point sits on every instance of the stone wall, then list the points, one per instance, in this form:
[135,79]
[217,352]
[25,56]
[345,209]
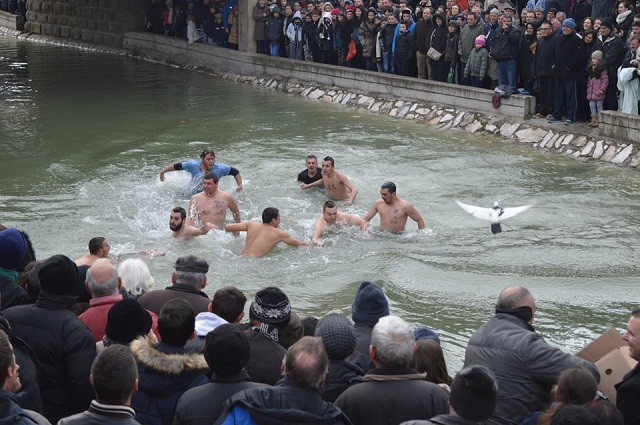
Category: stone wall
[93,21]
[11,21]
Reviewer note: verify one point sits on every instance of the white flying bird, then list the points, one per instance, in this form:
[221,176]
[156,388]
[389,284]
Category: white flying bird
[494,215]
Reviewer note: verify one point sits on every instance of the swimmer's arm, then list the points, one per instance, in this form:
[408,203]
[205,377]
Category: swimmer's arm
[316,183]
[370,214]
[353,219]
[238,178]
[233,206]
[168,168]
[354,192]
[415,216]
[290,240]
[236,227]
[192,231]
[318,229]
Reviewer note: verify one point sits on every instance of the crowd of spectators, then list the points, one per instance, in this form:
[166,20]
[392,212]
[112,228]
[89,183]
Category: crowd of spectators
[577,57]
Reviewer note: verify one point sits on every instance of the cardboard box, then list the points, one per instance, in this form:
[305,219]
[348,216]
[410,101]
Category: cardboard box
[610,353]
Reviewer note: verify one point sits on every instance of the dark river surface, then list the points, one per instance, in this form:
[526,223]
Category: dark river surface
[83,136]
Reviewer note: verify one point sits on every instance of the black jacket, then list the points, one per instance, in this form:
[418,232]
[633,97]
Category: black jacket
[154,300]
[438,37]
[342,374]
[12,294]
[628,393]
[506,44]
[204,404]
[443,420]
[612,55]
[421,32]
[285,403]
[266,358]
[63,350]
[544,59]
[567,60]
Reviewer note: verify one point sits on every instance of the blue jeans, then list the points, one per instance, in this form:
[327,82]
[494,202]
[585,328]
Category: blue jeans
[476,82]
[274,49]
[387,62]
[564,98]
[370,64]
[507,73]
[261,47]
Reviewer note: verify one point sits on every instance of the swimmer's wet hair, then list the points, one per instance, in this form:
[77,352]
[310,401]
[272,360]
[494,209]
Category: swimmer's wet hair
[328,158]
[328,204]
[211,176]
[182,211]
[206,152]
[269,213]
[390,186]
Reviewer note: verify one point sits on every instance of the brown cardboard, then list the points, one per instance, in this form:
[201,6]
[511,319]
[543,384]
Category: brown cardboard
[610,353]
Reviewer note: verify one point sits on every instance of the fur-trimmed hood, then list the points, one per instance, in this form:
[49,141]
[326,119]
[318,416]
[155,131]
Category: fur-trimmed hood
[148,354]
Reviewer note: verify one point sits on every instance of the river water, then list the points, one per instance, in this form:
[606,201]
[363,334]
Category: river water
[83,136]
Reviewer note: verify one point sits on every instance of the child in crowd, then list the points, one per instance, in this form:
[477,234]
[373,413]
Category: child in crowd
[477,63]
[338,43]
[451,56]
[325,36]
[403,53]
[232,29]
[596,87]
[288,18]
[296,37]
[386,43]
[220,32]
[274,29]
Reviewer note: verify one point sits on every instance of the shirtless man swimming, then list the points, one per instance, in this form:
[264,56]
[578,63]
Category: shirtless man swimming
[337,184]
[263,237]
[98,248]
[210,205]
[180,229]
[332,217]
[393,211]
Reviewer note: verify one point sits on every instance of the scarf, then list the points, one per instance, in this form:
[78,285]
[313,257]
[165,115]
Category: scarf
[11,275]
[622,16]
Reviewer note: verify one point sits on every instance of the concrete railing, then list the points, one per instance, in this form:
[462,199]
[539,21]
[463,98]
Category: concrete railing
[250,64]
[619,126]
[11,21]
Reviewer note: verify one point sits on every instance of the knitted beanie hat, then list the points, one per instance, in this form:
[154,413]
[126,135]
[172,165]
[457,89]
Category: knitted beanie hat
[370,304]
[338,336]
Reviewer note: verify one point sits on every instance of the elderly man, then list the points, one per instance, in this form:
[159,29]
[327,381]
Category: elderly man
[567,60]
[114,377]
[188,279]
[629,389]
[525,366]
[292,401]
[104,285]
[392,392]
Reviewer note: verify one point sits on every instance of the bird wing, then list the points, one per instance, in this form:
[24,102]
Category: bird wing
[478,212]
[510,212]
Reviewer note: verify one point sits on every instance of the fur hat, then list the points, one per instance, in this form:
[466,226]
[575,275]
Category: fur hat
[58,275]
[13,247]
[127,320]
[338,336]
[474,393]
[370,304]
[271,306]
[226,350]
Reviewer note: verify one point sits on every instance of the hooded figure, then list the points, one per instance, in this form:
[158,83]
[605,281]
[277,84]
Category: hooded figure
[296,37]
[324,38]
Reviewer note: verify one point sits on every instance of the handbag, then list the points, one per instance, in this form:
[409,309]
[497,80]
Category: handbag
[434,54]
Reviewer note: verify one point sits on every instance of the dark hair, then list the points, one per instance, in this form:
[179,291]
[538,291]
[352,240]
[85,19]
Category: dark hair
[328,158]
[312,156]
[403,22]
[606,413]
[113,373]
[228,303]
[269,213]
[176,322]
[211,176]
[306,362]
[309,324]
[95,245]
[328,204]
[390,186]
[29,279]
[182,211]
[206,152]
[6,355]
[428,357]
[575,386]
[636,312]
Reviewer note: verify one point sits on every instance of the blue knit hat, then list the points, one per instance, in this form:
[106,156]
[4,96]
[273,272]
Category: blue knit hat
[370,304]
[569,22]
[426,333]
[12,249]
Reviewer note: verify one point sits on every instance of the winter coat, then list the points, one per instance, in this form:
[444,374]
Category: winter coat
[204,404]
[12,413]
[12,294]
[154,300]
[421,33]
[367,34]
[386,36]
[567,57]
[341,375]
[612,55]
[438,37]
[63,350]
[506,44]
[165,372]
[443,420]
[391,395]
[490,32]
[468,36]
[274,28]
[324,34]
[294,30]
[545,56]
[266,358]
[404,47]
[525,366]
[477,63]
[233,30]
[286,403]
[597,86]
[259,15]
[602,8]
[628,391]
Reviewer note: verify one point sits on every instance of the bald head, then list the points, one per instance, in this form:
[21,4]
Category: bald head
[515,297]
[103,279]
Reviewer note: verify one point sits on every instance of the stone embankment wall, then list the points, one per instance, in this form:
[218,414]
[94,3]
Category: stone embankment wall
[93,21]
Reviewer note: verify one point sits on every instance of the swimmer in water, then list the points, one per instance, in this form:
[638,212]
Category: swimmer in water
[333,218]
[181,229]
[210,206]
[393,211]
[338,186]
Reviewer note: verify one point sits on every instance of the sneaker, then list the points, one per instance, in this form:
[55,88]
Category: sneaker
[568,122]
[552,119]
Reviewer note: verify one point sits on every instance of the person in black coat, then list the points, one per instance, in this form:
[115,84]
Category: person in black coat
[566,72]
[543,64]
[612,55]
[438,40]
[505,52]
[590,43]
[525,56]
[13,250]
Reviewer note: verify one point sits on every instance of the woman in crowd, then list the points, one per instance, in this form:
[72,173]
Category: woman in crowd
[438,41]
[136,277]
[525,56]
[367,35]
[428,357]
[590,43]
[624,19]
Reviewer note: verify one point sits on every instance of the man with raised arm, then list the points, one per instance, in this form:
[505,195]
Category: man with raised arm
[333,218]
[393,210]
[263,237]
[198,169]
[210,205]
[181,229]
[337,184]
